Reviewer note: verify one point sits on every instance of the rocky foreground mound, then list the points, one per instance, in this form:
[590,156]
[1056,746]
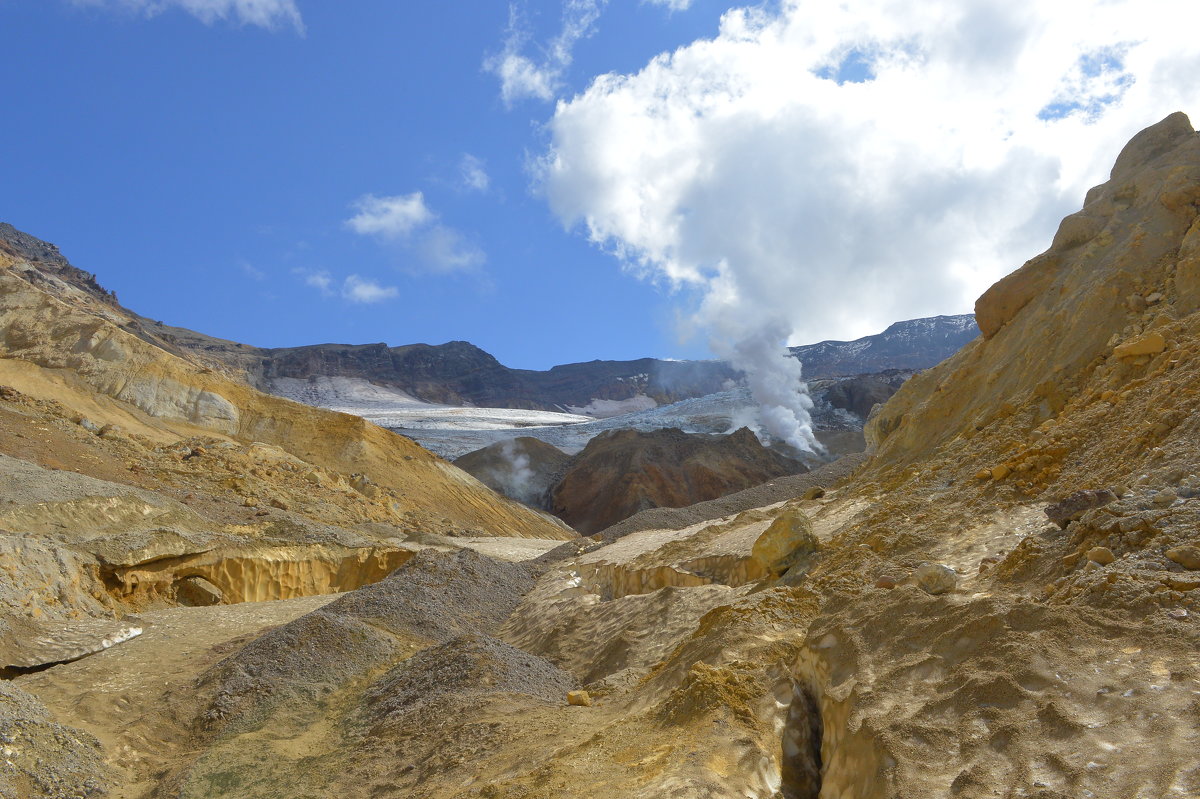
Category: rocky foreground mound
[1000,602]
[622,472]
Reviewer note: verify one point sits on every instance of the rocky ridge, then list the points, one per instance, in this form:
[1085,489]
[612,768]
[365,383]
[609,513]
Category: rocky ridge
[913,344]
[459,373]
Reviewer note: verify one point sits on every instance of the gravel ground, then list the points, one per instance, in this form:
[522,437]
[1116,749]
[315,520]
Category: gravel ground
[433,597]
[463,666]
[777,490]
[25,484]
[41,758]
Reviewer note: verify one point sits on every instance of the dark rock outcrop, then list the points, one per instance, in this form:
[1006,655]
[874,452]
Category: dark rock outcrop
[860,394]
[625,471]
[51,262]
[523,468]
[1068,510]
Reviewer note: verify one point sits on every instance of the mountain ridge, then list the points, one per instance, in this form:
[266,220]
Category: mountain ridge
[461,373]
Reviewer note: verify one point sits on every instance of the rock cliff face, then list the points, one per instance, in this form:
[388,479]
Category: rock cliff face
[1078,327]
[456,373]
[625,471]
[460,373]
[859,395]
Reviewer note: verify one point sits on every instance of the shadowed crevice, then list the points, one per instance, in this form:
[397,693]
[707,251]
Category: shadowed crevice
[801,762]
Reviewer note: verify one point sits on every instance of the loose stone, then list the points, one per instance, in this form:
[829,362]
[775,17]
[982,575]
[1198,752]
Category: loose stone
[936,578]
[1186,556]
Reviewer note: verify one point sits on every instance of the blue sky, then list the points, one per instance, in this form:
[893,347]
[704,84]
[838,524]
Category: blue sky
[204,171]
[531,178]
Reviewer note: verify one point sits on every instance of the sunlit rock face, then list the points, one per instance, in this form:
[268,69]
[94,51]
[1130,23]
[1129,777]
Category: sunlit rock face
[1058,331]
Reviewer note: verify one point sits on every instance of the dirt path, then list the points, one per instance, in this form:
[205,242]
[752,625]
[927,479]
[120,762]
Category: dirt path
[133,697]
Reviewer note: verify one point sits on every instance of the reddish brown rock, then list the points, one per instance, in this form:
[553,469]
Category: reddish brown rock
[625,471]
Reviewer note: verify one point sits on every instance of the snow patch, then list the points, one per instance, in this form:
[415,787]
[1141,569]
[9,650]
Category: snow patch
[120,637]
[604,408]
[326,392]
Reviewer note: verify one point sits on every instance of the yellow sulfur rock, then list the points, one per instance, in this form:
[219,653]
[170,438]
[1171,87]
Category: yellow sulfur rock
[579,698]
[788,538]
[1146,344]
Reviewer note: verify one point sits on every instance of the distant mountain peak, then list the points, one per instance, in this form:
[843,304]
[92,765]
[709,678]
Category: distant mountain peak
[909,344]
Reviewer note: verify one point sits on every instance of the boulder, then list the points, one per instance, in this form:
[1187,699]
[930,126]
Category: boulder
[788,540]
[197,592]
[1146,344]
[1186,556]
[936,578]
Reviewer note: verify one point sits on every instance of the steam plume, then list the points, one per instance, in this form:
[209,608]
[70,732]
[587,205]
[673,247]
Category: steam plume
[819,170]
[518,481]
[775,382]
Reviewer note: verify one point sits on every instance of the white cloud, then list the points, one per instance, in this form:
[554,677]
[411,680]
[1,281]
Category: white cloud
[251,271]
[671,5]
[353,288]
[390,217]
[318,280]
[473,173]
[823,169]
[269,14]
[522,77]
[444,249]
[407,222]
[357,289]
